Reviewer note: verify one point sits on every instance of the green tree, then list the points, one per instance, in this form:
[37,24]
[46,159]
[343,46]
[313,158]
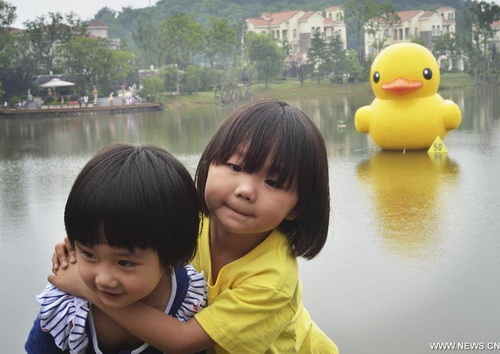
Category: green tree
[209,77]
[357,14]
[115,28]
[92,59]
[317,54]
[336,58]
[172,77]
[45,34]
[105,15]
[381,24]
[151,87]
[7,14]
[125,21]
[123,65]
[221,42]
[192,79]
[450,46]
[353,67]
[9,55]
[183,38]
[483,59]
[8,50]
[287,48]
[267,56]
[149,38]
[479,16]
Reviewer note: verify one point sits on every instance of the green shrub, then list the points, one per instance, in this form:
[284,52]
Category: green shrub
[14,100]
[191,81]
[48,99]
[171,78]
[151,86]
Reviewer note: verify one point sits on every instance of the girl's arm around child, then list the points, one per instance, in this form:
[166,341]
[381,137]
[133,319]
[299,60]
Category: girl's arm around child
[147,323]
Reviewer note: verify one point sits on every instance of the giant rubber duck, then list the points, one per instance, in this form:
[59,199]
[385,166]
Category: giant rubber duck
[407,112]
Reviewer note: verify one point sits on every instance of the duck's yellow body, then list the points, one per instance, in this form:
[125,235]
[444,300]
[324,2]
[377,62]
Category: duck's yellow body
[407,113]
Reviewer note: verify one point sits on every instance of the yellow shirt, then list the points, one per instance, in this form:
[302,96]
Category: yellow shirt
[255,306]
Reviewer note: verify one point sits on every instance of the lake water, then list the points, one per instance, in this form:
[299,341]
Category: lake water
[413,257]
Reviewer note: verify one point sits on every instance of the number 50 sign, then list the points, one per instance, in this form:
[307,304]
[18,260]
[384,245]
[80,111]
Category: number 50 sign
[437,147]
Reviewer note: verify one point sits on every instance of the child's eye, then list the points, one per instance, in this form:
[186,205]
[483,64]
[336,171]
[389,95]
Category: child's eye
[273,184]
[126,264]
[87,255]
[234,167]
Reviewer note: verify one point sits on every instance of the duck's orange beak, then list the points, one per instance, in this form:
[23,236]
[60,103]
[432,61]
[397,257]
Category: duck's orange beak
[401,86]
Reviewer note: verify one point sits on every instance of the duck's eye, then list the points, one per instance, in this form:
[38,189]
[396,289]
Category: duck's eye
[427,73]
[376,77]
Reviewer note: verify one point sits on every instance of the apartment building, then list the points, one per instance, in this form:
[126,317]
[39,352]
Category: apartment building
[97,29]
[297,27]
[493,43]
[334,24]
[425,26]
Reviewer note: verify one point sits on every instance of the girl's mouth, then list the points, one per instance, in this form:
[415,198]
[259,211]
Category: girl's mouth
[108,295]
[238,212]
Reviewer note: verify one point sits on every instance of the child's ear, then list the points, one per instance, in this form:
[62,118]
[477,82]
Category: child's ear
[294,214]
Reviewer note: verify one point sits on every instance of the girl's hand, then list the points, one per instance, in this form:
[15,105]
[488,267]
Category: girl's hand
[68,279]
[63,252]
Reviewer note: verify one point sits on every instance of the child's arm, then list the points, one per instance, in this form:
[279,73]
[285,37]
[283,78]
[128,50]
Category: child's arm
[64,254]
[147,323]
[160,330]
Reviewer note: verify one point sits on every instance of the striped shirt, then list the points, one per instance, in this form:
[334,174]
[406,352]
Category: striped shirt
[69,321]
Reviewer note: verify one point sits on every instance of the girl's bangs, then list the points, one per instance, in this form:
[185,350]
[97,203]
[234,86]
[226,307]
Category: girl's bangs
[112,231]
[263,148]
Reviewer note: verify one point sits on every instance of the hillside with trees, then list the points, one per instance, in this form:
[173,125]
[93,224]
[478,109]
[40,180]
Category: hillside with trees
[235,11]
[200,45]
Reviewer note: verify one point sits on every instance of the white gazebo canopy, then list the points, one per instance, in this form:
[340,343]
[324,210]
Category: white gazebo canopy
[57,83]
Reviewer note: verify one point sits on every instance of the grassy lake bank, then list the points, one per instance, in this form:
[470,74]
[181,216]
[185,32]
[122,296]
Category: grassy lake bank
[292,89]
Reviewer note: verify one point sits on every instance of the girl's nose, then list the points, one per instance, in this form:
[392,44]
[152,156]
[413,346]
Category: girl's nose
[246,189]
[105,279]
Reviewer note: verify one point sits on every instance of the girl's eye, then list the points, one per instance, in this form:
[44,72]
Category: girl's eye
[273,184]
[126,264]
[87,255]
[234,167]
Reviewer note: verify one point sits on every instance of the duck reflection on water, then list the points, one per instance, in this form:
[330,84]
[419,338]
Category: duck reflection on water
[408,191]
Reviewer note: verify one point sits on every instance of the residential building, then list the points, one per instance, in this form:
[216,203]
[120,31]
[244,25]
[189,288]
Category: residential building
[98,29]
[425,26]
[334,24]
[95,29]
[493,43]
[296,28]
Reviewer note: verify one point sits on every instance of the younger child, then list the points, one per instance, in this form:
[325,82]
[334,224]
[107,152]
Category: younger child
[133,217]
[263,181]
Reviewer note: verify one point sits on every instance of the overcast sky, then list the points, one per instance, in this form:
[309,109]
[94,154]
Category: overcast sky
[86,9]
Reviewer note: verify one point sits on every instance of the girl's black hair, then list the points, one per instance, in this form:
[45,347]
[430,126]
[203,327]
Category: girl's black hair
[284,135]
[130,197]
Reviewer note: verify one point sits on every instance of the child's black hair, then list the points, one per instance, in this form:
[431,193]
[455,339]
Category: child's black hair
[274,131]
[129,197]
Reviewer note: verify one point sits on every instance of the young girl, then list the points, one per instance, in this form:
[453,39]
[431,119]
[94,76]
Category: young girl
[133,217]
[263,181]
